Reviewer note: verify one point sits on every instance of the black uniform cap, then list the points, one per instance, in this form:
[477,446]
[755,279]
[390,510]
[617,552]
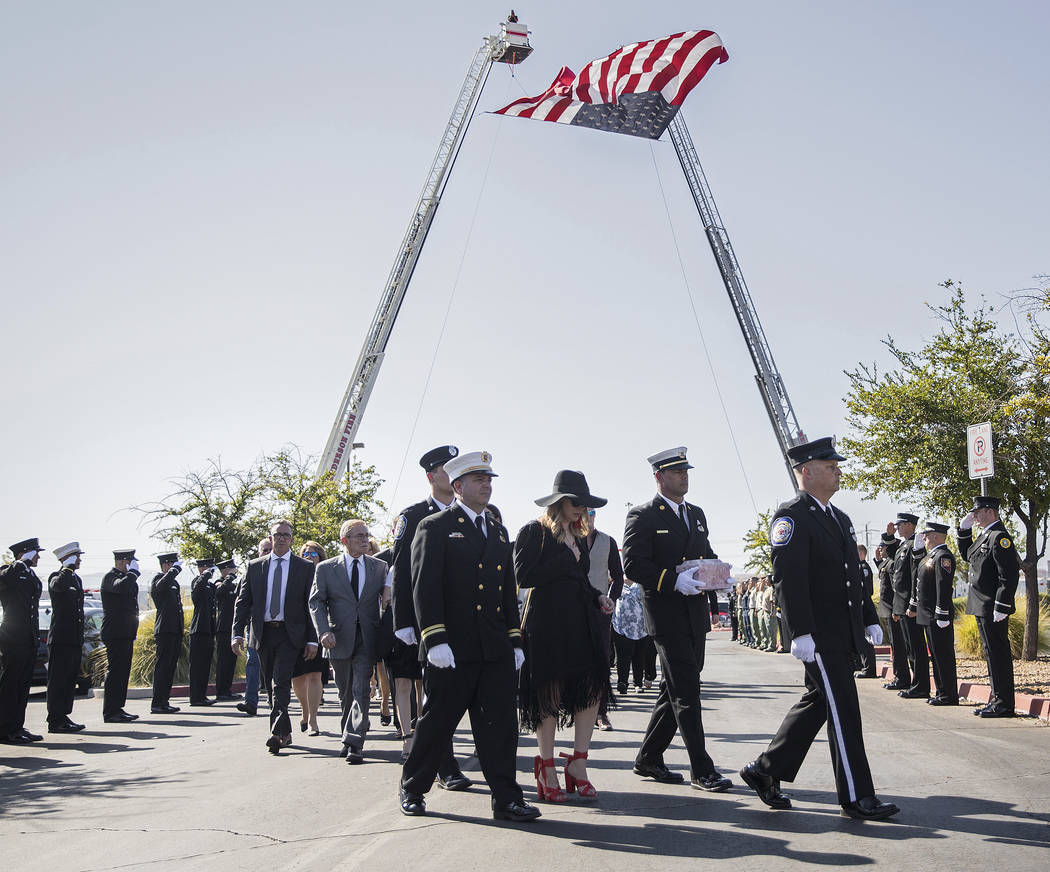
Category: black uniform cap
[818,449]
[124,554]
[934,527]
[907,518]
[226,564]
[986,503]
[170,557]
[205,563]
[20,548]
[438,456]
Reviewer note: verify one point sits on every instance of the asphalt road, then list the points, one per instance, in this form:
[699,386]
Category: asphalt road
[198,789]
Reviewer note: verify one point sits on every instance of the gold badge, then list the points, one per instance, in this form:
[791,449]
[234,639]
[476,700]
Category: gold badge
[1005,542]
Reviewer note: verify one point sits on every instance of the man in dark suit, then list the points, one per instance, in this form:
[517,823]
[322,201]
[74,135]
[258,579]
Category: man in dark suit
[344,605]
[828,618]
[120,625]
[225,659]
[202,630]
[274,600]
[466,602]
[867,654]
[905,561]
[658,537]
[993,580]
[169,623]
[65,639]
[19,637]
[935,584]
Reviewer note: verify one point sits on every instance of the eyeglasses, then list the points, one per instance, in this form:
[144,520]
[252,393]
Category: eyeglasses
[282,535]
[311,554]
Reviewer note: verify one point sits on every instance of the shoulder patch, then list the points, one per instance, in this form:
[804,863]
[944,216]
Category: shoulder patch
[946,564]
[1005,542]
[780,532]
[399,527]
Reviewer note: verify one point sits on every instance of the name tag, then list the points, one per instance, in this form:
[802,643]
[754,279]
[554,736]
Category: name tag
[662,531]
[455,535]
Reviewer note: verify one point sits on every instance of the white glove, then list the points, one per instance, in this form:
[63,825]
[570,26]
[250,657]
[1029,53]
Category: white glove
[804,648]
[967,522]
[178,565]
[519,658]
[134,567]
[918,543]
[27,558]
[70,560]
[873,633]
[998,616]
[406,635]
[943,624]
[441,656]
[686,584]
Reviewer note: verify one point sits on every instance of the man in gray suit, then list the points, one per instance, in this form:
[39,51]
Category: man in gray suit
[344,603]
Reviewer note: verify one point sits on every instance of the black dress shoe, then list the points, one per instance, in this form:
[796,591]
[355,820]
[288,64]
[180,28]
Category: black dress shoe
[76,727]
[658,772]
[247,708]
[33,737]
[199,702]
[869,809]
[164,709]
[940,700]
[914,694]
[767,787]
[412,804]
[864,675]
[354,756]
[128,717]
[120,718]
[459,781]
[64,728]
[384,720]
[712,783]
[895,685]
[996,711]
[228,697]
[516,810]
[14,739]
[621,689]
[273,745]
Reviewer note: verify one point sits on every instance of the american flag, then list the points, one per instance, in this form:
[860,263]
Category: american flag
[636,90]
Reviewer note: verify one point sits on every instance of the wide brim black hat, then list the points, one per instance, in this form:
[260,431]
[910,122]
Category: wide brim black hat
[572,484]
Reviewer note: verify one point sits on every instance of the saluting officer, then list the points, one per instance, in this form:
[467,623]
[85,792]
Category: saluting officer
[901,678]
[19,637]
[993,577]
[934,588]
[225,659]
[120,626]
[404,662]
[169,624]
[867,653]
[467,606]
[658,537]
[828,617]
[202,630]
[65,639]
[905,561]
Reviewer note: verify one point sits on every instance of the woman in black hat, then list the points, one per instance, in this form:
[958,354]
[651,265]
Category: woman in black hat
[566,668]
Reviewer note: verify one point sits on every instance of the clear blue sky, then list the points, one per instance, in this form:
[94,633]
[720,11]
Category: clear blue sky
[201,203]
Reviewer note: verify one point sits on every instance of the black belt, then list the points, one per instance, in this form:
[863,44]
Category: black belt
[274,623]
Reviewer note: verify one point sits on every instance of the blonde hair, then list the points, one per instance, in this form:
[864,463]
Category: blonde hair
[553,520]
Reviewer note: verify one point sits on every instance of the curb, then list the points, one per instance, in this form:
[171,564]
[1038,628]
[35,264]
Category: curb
[178,690]
[1024,704]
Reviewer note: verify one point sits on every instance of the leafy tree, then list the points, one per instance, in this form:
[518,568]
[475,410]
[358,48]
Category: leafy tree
[757,548]
[908,426]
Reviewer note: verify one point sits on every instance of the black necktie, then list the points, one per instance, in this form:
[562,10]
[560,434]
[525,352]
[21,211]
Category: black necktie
[682,514]
[480,525]
[353,578]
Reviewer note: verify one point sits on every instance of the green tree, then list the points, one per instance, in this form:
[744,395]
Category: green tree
[757,548]
[908,427]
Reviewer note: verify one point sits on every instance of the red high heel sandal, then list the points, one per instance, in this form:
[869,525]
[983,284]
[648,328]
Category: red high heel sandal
[577,785]
[543,792]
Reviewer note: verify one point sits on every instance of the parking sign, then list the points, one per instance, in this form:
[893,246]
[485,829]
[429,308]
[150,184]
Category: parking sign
[979,450]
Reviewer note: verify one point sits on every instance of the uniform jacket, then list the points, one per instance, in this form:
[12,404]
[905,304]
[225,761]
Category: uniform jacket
[463,587]
[903,572]
[251,600]
[886,579]
[67,608]
[404,532]
[225,600]
[868,576]
[936,584]
[816,573]
[655,542]
[20,598]
[120,606]
[202,594]
[994,568]
[166,594]
[335,607]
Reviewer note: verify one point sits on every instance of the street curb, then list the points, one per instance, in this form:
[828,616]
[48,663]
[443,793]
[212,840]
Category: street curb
[1025,704]
[178,690]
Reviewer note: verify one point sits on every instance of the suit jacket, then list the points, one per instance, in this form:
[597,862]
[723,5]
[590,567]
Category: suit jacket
[337,608]
[120,606]
[655,542]
[936,584]
[67,608]
[816,574]
[463,587]
[904,563]
[250,609]
[994,569]
[202,593]
[167,598]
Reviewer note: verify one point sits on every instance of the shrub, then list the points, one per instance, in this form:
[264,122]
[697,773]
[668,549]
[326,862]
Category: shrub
[968,638]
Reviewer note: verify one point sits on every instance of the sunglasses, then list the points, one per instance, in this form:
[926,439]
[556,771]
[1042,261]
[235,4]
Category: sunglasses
[311,554]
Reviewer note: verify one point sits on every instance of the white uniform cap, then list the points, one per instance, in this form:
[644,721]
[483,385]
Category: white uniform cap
[66,550]
[672,458]
[464,464]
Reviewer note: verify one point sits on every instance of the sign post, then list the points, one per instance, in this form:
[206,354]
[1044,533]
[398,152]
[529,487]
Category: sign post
[979,454]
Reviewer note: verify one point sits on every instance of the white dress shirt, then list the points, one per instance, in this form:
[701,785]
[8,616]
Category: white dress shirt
[472,515]
[349,562]
[285,564]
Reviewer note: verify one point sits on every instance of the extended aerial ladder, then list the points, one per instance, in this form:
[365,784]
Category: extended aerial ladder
[511,46]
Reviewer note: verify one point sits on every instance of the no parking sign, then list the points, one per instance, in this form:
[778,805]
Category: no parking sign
[979,450]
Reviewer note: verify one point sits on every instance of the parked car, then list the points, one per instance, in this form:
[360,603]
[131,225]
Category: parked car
[92,641]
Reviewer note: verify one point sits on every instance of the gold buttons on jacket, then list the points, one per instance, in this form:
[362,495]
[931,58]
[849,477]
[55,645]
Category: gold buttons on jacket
[481,566]
[461,520]
[481,587]
[479,607]
[499,608]
[499,567]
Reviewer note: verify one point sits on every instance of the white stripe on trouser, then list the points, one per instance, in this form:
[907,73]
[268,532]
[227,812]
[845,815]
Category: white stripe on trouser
[838,731]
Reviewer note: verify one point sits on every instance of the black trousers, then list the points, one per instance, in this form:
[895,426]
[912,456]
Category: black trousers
[677,708]
[899,653]
[16,677]
[489,691]
[225,663]
[202,648]
[63,670]
[649,661]
[830,697]
[732,623]
[277,656]
[169,649]
[118,656]
[630,660]
[1000,660]
[918,658]
[941,643]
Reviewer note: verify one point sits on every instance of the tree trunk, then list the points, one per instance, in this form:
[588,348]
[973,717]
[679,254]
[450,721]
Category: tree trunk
[1029,566]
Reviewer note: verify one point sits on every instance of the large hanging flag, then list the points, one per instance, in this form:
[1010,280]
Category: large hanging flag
[636,90]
